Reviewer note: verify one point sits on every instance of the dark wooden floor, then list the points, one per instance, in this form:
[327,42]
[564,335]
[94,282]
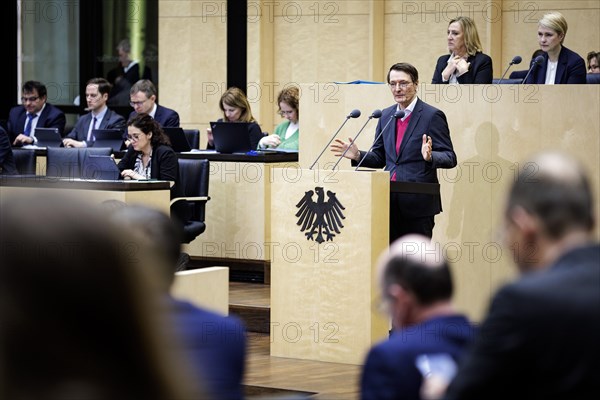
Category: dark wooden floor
[277,377]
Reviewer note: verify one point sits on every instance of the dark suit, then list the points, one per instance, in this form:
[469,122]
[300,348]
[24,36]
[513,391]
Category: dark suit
[540,337]
[164,116]
[409,165]
[51,117]
[164,165]
[390,371]
[216,347]
[7,160]
[111,120]
[570,69]
[480,70]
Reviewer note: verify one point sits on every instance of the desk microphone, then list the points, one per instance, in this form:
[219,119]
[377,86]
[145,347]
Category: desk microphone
[515,60]
[376,114]
[353,114]
[538,61]
[399,114]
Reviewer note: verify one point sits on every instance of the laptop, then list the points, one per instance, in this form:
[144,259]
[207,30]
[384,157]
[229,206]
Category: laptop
[112,138]
[48,137]
[231,137]
[178,140]
[100,168]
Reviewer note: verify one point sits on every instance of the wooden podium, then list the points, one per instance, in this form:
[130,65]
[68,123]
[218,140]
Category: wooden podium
[323,294]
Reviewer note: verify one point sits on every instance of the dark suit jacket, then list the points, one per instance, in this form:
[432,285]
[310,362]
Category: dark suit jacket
[7,160]
[51,117]
[390,371]
[409,165]
[480,70]
[216,347]
[164,165]
[570,69]
[164,116]
[540,337]
[111,120]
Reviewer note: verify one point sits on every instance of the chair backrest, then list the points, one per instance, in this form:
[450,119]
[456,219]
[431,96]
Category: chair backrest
[593,79]
[193,137]
[193,182]
[518,74]
[63,163]
[68,162]
[25,161]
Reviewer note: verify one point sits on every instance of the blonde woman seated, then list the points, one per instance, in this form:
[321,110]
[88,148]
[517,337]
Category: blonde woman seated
[287,134]
[236,108]
[466,62]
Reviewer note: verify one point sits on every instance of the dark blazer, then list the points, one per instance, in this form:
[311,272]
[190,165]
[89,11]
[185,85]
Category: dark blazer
[254,131]
[164,165]
[7,160]
[111,120]
[540,337]
[390,370]
[164,116]
[480,70]
[409,165]
[51,117]
[216,347]
[570,69]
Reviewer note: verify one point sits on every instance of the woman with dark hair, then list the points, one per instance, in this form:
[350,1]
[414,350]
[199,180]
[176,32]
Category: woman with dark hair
[236,108]
[466,62]
[149,155]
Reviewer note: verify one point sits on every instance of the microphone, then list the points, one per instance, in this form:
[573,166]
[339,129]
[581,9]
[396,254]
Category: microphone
[353,114]
[538,61]
[399,114]
[376,114]
[515,60]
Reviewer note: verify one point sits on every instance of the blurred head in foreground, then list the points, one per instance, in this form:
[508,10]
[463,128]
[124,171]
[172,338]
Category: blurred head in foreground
[78,313]
[550,210]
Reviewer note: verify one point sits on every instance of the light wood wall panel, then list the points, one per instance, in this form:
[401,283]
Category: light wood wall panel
[192,61]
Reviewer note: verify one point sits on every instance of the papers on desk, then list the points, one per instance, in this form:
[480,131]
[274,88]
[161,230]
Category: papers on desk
[198,151]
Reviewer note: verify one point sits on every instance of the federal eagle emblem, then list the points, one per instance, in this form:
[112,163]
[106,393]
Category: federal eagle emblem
[321,218]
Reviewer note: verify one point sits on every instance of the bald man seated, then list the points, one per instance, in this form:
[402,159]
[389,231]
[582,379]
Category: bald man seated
[428,336]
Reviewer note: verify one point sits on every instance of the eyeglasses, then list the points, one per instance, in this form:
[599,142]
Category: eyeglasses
[137,103]
[133,137]
[30,99]
[401,84]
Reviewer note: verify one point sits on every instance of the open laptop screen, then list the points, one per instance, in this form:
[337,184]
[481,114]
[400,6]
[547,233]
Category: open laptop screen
[231,137]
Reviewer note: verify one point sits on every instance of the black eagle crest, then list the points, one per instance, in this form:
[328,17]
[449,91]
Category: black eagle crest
[320,217]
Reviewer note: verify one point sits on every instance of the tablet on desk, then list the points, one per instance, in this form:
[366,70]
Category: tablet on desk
[100,168]
[231,137]
[48,137]
[112,138]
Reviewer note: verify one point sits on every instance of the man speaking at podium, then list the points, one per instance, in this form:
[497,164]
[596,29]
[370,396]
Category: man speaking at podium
[411,149]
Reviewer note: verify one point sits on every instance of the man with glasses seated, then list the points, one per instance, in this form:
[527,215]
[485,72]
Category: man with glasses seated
[143,100]
[99,116]
[411,149]
[34,112]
